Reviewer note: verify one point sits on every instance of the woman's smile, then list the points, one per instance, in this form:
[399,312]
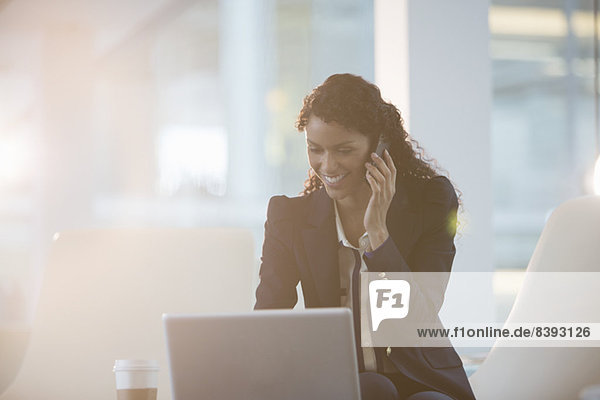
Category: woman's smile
[333,180]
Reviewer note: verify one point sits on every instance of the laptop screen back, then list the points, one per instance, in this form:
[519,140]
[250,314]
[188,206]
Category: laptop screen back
[266,354]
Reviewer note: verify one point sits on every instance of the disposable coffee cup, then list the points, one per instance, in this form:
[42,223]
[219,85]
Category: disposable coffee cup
[136,379]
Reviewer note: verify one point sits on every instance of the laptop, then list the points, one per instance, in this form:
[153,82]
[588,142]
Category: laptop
[263,354]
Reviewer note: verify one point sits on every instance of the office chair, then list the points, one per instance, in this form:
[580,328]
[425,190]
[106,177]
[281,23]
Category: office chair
[103,296]
[569,247]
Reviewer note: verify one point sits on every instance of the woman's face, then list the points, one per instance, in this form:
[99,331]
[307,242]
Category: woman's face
[337,155]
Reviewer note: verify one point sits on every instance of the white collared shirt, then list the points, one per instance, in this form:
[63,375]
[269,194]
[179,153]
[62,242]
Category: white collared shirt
[347,262]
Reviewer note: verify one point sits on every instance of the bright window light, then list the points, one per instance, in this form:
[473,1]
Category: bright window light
[192,157]
[14,160]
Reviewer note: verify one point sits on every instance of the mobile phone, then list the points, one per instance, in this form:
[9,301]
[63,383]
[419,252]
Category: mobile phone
[381,147]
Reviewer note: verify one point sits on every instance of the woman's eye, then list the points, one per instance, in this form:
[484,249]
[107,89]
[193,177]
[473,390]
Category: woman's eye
[345,151]
[313,150]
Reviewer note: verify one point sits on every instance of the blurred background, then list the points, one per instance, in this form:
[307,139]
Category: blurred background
[181,113]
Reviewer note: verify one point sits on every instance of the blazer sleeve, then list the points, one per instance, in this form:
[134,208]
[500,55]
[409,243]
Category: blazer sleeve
[278,272]
[433,251]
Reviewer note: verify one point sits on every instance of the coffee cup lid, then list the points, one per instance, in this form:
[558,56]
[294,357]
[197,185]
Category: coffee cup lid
[136,365]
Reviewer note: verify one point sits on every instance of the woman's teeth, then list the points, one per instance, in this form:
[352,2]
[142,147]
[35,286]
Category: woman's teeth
[333,179]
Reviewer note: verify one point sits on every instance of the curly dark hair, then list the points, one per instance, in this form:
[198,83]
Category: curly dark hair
[356,104]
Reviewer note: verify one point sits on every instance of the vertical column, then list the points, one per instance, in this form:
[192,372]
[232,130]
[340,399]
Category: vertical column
[431,59]
[67,138]
[571,161]
[241,53]
[391,54]
[65,176]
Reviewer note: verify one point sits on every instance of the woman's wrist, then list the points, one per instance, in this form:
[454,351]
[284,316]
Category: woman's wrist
[377,238]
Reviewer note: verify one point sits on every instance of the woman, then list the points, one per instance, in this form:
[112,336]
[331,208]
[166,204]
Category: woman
[363,212]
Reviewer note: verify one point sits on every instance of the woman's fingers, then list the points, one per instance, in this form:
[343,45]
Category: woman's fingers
[384,171]
[392,167]
[389,162]
[375,173]
[375,187]
[382,179]
[381,164]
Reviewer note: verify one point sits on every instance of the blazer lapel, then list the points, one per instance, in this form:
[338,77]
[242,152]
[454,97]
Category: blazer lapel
[321,247]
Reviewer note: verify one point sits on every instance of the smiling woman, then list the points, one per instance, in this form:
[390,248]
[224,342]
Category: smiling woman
[361,211]
[353,104]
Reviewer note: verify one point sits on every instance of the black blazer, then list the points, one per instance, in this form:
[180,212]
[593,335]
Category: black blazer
[301,245]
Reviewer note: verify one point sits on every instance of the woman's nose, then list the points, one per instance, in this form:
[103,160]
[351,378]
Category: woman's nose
[328,163]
